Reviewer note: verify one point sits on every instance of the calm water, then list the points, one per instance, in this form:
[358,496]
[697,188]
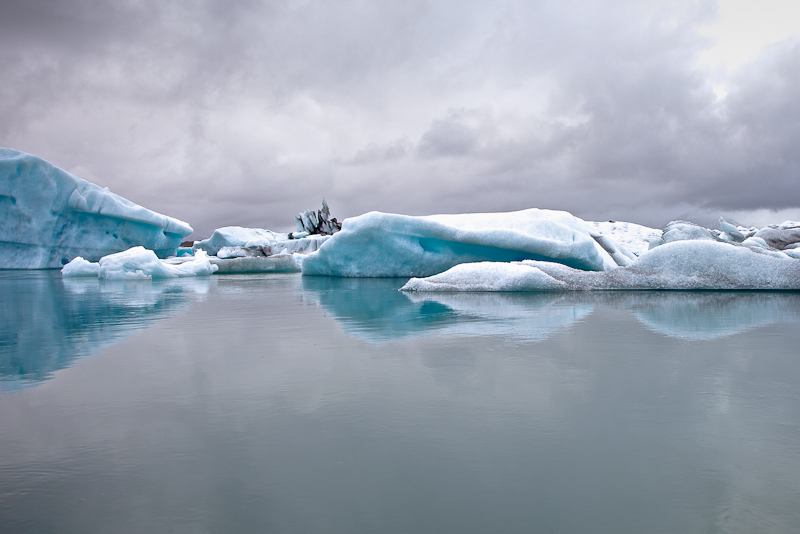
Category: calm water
[283,404]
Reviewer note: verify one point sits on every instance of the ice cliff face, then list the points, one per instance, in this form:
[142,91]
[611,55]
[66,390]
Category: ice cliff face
[49,217]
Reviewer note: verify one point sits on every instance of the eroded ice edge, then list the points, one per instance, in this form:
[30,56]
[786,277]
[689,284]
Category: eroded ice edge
[49,217]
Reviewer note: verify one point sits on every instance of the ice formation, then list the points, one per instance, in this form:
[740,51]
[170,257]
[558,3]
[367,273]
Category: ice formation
[388,245]
[239,242]
[633,237]
[319,222]
[277,263]
[49,217]
[687,264]
[138,263]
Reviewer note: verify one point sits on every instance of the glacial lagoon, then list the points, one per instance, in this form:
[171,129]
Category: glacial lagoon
[282,403]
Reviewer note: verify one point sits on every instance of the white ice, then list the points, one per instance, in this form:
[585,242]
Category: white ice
[634,237]
[277,263]
[230,242]
[49,217]
[688,264]
[138,263]
[389,245]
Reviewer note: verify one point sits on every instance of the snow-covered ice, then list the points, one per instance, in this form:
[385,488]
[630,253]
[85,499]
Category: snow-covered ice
[49,217]
[389,245]
[689,264]
[634,237]
[138,263]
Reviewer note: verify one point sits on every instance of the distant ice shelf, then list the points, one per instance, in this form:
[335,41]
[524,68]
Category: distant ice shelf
[49,217]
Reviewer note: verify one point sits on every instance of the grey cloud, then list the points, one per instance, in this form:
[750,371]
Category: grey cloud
[248,112]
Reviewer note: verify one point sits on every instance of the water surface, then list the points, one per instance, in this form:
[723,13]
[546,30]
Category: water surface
[287,404]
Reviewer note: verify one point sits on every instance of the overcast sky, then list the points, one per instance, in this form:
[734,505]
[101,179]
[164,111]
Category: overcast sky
[220,112]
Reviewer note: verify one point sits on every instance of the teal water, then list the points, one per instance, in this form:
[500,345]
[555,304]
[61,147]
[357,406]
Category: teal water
[289,404]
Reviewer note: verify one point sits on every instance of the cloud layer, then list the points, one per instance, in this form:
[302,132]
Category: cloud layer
[246,113]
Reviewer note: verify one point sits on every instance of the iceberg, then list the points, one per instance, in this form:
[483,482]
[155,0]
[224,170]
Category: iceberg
[237,241]
[389,245]
[278,263]
[688,264]
[138,263]
[48,217]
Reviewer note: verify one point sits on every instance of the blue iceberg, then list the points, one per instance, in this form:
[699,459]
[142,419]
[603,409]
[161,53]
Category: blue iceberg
[48,217]
[389,245]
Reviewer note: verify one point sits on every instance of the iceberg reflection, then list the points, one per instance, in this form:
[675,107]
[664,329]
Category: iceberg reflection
[705,315]
[373,310]
[46,323]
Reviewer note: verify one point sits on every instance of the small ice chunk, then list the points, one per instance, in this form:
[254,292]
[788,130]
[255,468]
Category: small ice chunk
[730,231]
[138,263]
[80,267]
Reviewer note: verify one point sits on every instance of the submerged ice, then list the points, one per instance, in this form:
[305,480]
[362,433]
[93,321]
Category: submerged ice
[49,217]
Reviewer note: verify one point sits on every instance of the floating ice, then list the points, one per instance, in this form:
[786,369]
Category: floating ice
[690,264]
[277,263]
[49,217]
[239,242]
[389,245]
[237,236]
[139,263]
[80,267]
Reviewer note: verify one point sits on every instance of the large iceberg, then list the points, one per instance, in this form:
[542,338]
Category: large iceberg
[49,217]
[389,245]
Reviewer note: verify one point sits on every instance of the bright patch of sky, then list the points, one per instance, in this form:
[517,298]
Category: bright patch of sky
[741,30]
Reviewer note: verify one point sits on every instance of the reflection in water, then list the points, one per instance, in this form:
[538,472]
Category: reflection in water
[255,412]
[704,315]
[47,322]
[373,310]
